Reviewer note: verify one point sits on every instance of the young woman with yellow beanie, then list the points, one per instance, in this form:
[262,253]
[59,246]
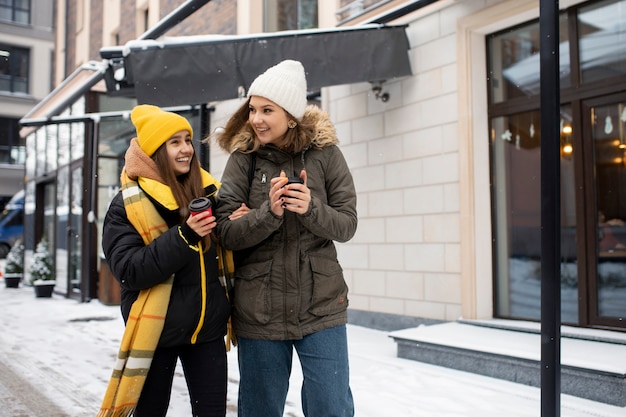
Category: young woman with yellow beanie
[290,293]
[173,301]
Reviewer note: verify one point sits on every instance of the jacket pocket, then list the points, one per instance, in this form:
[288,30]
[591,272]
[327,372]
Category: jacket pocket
[330,292]
[252,292]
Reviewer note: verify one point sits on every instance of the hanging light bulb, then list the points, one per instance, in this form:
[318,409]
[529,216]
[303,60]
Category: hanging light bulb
[567,131]
[568,148]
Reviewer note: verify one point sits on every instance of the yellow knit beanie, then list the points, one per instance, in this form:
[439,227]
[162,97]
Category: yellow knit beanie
[155,126]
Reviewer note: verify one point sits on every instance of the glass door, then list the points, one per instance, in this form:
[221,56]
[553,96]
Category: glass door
[69,228]
[607,217]
[62,236]
[76,228]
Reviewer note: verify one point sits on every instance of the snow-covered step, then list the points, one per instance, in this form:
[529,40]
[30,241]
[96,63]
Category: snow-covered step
[593,363]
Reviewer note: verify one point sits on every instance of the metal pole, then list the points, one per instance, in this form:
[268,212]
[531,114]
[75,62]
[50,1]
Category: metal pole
[174,18]
[550,210]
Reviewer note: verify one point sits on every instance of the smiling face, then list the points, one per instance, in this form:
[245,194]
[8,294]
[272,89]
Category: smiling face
[268,120]
[179,151]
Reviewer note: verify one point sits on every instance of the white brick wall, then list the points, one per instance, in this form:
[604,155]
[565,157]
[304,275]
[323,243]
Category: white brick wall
[407,156]
[404,159]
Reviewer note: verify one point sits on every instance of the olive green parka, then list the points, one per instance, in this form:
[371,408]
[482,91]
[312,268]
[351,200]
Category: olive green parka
[288,281]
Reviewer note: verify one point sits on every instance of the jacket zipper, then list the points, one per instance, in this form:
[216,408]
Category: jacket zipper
[194,337]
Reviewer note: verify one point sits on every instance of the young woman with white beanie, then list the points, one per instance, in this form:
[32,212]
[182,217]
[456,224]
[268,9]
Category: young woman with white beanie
[290,293]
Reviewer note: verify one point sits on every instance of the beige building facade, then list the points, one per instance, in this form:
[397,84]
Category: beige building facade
[445,160]
[440,236]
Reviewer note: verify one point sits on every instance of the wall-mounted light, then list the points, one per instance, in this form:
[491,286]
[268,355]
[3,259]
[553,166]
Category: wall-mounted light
[377,89]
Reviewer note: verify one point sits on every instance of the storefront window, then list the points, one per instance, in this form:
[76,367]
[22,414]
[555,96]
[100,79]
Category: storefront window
[516,167]
[514,61]
[75,234]
[49,211]
[64,144]
[29,217]
[115,135]
[40,152]
[77,140]
[63,204]
[51,147]
[31,151]
[592,166]
[609,145]
[602,29]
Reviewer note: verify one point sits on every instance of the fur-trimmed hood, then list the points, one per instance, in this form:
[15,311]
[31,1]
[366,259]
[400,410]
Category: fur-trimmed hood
[324,131]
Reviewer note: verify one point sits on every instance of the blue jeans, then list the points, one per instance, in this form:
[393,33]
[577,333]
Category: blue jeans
[265,367]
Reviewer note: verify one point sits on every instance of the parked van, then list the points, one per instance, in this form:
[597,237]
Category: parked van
[11,223]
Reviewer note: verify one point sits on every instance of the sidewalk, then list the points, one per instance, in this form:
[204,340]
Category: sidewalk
[66,351]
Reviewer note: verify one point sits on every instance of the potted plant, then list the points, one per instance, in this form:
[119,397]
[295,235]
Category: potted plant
[14,266]
[41,272]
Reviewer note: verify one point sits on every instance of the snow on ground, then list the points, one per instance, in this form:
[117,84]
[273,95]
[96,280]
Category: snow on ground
[67,349]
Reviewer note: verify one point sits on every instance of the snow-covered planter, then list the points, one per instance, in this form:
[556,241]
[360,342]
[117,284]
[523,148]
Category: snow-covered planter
[15,259]
[41,272]
[14,265]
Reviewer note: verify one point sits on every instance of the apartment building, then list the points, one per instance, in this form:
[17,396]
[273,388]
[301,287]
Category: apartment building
[26,56]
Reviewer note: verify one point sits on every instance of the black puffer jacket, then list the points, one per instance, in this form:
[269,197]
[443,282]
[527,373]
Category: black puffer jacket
[138,266]
[288,281]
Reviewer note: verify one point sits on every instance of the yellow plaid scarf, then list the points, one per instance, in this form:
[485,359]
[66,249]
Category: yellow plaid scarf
[147,314]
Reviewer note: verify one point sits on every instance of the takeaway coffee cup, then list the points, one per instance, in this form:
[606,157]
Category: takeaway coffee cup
[199,205]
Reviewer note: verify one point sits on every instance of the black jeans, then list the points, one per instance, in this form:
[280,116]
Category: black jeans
[205,371]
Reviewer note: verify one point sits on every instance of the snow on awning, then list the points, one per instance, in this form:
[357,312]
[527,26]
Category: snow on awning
[201,69]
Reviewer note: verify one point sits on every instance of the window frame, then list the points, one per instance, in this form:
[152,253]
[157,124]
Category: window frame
[15,69]
[15,7]
[272,23]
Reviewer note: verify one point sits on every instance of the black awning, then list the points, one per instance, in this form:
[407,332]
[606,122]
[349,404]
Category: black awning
[201,69]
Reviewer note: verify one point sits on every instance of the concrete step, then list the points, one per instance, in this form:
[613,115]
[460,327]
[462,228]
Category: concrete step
[593,362]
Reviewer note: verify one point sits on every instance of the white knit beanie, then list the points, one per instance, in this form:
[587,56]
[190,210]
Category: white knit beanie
[285,85]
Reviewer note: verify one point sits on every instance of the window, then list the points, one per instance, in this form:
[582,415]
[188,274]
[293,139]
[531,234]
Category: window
[592,166]
[602,29]
[17,11]
[14,69]
[514,61]
[290,15]
[11,150]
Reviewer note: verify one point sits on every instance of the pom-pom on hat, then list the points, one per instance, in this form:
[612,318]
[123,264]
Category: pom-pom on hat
[285,85]
[155,126]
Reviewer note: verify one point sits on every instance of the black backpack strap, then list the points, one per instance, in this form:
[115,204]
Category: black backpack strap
[252,168]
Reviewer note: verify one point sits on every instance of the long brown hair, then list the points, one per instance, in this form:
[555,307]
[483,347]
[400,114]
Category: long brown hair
[184,187]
